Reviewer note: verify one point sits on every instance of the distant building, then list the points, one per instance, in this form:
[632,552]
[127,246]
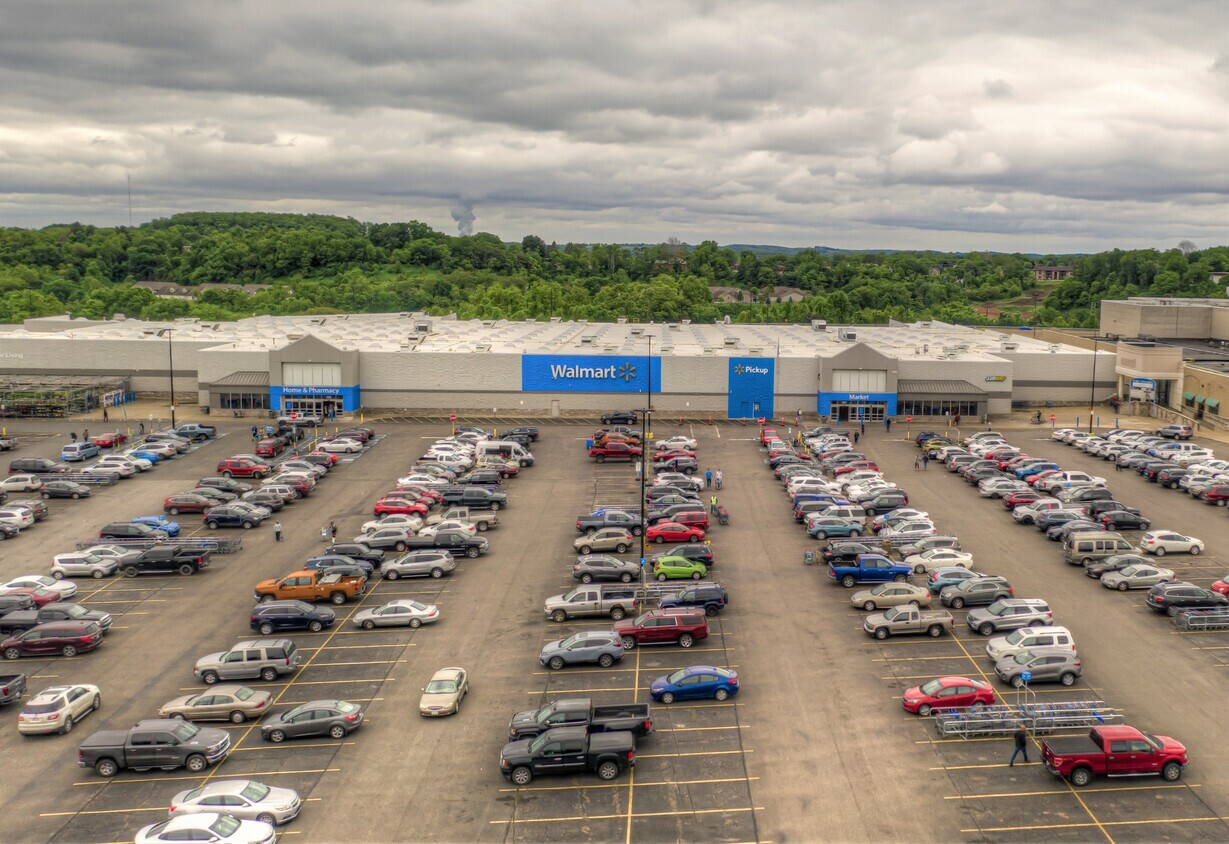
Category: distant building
[166,290]
[730,294]
[787,294]
[1053,273]
[249,289]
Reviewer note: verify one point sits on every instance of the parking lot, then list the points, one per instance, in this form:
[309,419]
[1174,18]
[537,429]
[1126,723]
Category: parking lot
[816,746]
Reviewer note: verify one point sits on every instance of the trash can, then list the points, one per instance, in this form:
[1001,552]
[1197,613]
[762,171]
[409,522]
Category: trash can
[588,444]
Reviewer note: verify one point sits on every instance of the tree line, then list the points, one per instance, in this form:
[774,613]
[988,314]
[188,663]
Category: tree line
[320,264]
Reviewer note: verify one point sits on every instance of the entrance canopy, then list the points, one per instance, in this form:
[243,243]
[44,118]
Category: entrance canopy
[910,388]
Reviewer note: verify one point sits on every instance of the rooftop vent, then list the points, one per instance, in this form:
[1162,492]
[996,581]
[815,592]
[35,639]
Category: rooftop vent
[1054,347]
[636,331]
[1010,347]
[819,325]
[422,326]
[665,350]
[847,334]
[725,320]
[731,341]
[685,322]
[621,320]
[556,319]
[755,353]
[587,340]
[482,347]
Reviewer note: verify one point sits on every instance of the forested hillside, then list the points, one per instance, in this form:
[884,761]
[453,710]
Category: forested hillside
[320,264]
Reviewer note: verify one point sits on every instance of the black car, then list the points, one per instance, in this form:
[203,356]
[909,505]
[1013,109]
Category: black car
[1096,508]
[224,484]
[1096,568]
[1169,477]
[884,502]
[1151,465]
[530,431]
[37,465]
[978,475]
[620,417]
[12,603]
[130,530]
[603,567]
[490,477]
[1054,518]
[357,551]
[319,459]
[1172,597]
[8,532]
[1059,533]
[691,550]
[1133,460]
[65,489]
[228,516]
[848,551]
[264,499]
[1123,520]
[328,560]
[271,616]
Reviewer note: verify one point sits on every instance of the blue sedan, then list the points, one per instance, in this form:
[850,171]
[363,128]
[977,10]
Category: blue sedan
[695,681]
[145,455]
[1035,469]
[160,522]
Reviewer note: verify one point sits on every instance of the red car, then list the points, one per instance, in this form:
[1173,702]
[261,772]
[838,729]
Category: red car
[1032,480]
[767,434]
[948,693]
[270,447]
[40,596]
[187,502]
[109,440]
[331,457]
[1221,586]
[386,506]
[673,532]
[243,467]
[67,638]
[1024,496]
[855,466]
[1006,464]
[416,493]
[674,452]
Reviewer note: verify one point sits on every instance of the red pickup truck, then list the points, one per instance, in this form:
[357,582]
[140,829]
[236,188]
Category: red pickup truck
[1114,752]
[615,451]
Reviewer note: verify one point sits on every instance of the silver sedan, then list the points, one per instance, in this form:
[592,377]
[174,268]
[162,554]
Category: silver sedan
[1136,577]
[401,613]
[244,799]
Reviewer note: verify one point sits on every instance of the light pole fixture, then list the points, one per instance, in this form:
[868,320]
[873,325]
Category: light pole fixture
[644,459]
[1092,391]
[170,357]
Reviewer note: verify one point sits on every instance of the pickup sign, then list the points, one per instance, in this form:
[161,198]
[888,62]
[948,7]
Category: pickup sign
[905,620]
[868,568]
[580,712]
[1114,752]
[568,750]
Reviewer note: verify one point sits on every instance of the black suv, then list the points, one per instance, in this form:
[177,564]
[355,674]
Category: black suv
[530,431]
[619,417]
[1096,508]
[1172,597]
[884,502]
[711,596]
[690,550]
[37,464]
[224,484]
[166,560]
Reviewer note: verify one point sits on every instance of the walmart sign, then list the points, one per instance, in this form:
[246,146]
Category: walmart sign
[589,374]
[750,388]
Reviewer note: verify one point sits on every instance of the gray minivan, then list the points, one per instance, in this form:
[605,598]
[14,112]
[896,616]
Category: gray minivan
[1086,546]
[267,659]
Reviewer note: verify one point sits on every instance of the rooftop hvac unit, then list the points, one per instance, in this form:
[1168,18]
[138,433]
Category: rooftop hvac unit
[587,340]
[637,331]
[422,326]
[1010,347]
[819,325]
[556,319]
[731,341]
[686,322]
[848,334]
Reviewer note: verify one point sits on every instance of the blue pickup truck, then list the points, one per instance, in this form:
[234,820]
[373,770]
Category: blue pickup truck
[868,568]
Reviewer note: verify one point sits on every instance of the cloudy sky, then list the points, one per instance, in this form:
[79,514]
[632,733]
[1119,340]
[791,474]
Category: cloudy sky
[948,124]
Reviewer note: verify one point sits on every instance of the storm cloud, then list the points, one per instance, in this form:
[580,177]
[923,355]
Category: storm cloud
[949,125]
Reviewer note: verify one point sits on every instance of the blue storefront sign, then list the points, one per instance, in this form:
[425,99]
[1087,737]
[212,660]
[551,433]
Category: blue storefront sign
[750,391]
[590,373]
[823,401]
[349,395]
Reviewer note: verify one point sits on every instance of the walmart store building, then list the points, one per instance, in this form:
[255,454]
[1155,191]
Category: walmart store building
[556,368]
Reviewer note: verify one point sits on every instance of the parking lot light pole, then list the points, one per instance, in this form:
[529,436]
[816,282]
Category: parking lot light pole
[1092,393]
[170,355]
[644,462]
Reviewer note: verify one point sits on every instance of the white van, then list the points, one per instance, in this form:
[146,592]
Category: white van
[1030,638]
[505,449]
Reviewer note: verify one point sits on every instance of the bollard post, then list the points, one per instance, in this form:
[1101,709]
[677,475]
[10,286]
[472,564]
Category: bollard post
[1077,423]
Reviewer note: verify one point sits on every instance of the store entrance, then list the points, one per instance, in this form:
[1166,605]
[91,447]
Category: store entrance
[848,411]
[326,408]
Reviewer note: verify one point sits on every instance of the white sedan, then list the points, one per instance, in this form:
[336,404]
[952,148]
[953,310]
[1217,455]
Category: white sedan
[21,483]
[422,479]
[1060,434]
[114,466]
[34,581]
[935,558]
[83,564]
[214,828]
[1136,577]
[449,524]
[401,613]
[409,521]
[686,443]
[341,445]
[1162,542]
[998,487]
[909,530]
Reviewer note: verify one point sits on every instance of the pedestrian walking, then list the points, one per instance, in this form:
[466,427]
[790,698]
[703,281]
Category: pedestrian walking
[956,419]
[717,478]
[255,433]
[1021,739]
[85,435]
[141,429]
[862,426]
[925,462]
[856,435]
[1117,465]
[917,463]
[708,478]
[712,508]
[332,530]
[887,425]
[104,415]
[277,531]
[72,435]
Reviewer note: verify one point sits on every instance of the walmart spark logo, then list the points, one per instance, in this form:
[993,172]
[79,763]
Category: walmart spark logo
[743,369]
[626,371]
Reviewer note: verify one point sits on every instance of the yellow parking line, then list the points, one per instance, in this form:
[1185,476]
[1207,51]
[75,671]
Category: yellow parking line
[127,601]
[514,821]
[701,729]
[576,671]
[620,785]
[693,753]
[290,683]
[361,647]
[137,780]
[578,691]
[361,662]
[1100,824]
[920,658]
[1082,791]
[272,746]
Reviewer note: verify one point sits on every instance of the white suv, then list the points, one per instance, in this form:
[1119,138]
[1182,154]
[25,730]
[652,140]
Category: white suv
[57,709]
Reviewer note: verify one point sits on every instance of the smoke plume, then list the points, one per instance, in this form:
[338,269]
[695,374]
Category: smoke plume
[464,215]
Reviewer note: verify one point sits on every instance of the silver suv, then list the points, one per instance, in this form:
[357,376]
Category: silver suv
[1044,665]
[1009,614]
[420,564]
[267,659]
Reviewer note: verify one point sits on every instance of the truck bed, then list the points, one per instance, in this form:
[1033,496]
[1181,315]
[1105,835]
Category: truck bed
[617,742]
[1079,746]
[637,711]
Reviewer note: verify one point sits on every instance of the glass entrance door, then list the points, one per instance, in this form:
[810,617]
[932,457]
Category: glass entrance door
[326,408]
[851,411]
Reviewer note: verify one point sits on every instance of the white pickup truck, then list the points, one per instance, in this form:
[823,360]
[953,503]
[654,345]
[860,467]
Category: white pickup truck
[481,519]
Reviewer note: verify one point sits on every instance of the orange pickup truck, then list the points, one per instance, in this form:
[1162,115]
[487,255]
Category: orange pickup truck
[308,585]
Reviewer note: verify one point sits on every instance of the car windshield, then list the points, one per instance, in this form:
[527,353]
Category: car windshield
[996,609]
[1024,658]
[676,677]
[440,687]
[255,791]
[225,826]
[931,687]
[892,613]
[186,731]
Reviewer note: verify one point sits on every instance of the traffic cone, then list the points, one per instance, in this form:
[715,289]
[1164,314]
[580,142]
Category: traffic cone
[680,421]
[710,420]
[744,422]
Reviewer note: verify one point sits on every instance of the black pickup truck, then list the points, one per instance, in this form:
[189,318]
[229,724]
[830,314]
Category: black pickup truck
[165,744]
[165,559]
[454,543]
[594,522]
[568,750]
[21,620]
[12,687]
[580,712]
[474,496]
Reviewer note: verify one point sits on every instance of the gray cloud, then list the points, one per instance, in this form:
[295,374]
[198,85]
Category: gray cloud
[941,125]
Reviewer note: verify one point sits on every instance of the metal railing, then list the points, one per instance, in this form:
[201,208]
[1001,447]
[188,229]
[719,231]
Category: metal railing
[217,544]
[1213,619]
[1002,719]
[99,478]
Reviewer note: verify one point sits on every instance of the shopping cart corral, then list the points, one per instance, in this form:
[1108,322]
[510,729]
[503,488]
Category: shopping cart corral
[218,545]
[1002,720]
[89,478]
[1214,619]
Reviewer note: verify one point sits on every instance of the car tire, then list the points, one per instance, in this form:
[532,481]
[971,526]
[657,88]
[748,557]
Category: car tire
[588,578]
[209,678]
[882,633]
[667,697]
[1017,682]
[269,675]
[68,725]
[400,546]
[237,717]
[555,663]
[1172,772]
[586,549]
[686,640]
[196,763]
[621,548]
[264,599]
[1195,550]
[1081,777]
[559,616]
[1067,678]
[106,768]
[986,629]
[265,817]
[472,553]
[391,574]
[522,776]
[924,710]
[186,569]
[605,660]
[266,629]
[131,571]
[277,736]
[855,533]
[68,650]
[957,603]
[212,525]
[821,535]
[337,731]
[227,474]
[97,703]
[1160,552]
[338,598]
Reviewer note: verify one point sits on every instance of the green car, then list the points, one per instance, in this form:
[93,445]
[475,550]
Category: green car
[678,568]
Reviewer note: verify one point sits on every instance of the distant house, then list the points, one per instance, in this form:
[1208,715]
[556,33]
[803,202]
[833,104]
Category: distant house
[249,289]
[730,294]
[787,294]
[166,290]
[1054,273]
